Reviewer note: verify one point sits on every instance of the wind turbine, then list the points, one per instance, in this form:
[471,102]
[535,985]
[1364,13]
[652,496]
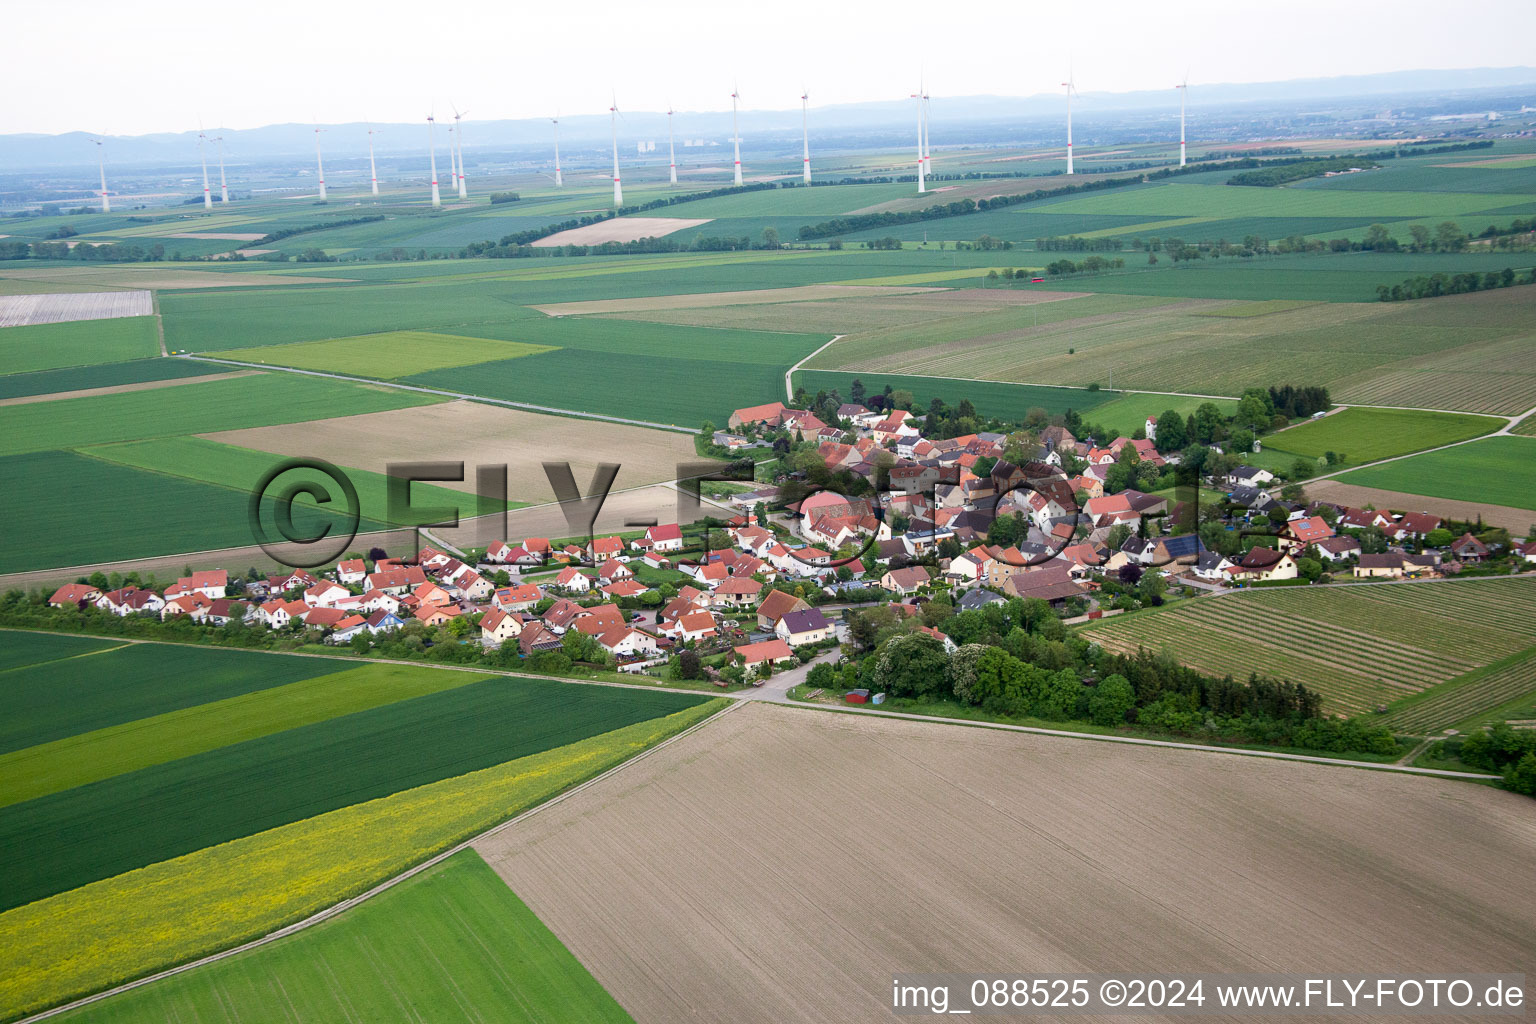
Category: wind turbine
[319,163]
[1183,88]
[437,198]
[736,132]
[373,170]
[459,141]
[1067,85]
[613,121]
[921,187]
[805,134]
[927,152]
[223,185]
[671,146]
[203,155]
[556,122]
[453,163]
[101,162]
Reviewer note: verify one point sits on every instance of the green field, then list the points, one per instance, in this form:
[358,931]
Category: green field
[196,407]
[1006,401]
[104,375]
[1496,470]
[67,839]
[62,508]
[1125,414]
[1360,647]
[78,343]
[23,649]
[1526,427]
[1366,435]
[453,942]
[86,757]
[386,355]
[1470,701]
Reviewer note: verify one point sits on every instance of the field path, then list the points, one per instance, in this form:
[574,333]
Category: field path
[789,387]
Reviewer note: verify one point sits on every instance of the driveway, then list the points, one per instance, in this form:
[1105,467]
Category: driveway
[776,689]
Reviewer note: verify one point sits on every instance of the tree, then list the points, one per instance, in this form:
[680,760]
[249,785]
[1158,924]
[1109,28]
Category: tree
[1439,538]
[1449,237]
[856,392]
[1309,569]
[1118,535]
[1172,435]
[1110,700]
[902,399]
[822,675]
[688,664]
[910,665]
[962,671]
[1521,776]
[1207,424]
[770,237]
[1420,235]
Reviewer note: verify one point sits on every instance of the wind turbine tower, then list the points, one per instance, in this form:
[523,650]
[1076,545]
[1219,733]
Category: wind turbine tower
[373,170]
[1183,88]
[671,146]
[319,163]
[1070,90]
[613,121]
[736,133]
[458,136]
[101,163]
[805,134]
[203,155]
[927,151]
[437,197]
[921,186]
[223,185]
[556,122]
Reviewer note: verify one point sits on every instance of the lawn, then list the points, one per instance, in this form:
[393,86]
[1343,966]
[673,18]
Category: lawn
[386,355]
[1366,435]
[224,894]
[62,508]
[78,343]
[68,839]
[454,939]
[1359,647]
[1496,470]
[103,375]
[116,750]
[1006,401]
[192,408]
[1125,414]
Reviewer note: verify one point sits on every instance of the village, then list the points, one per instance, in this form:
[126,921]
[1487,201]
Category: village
[864,511]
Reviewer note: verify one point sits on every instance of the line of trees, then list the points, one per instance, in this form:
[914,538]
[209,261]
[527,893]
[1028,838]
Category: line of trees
[1074,243]
[1091,265]
[1435,285]
[1269,177]
[282,233]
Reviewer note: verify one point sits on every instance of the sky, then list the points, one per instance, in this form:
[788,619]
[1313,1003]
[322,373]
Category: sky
[165,65]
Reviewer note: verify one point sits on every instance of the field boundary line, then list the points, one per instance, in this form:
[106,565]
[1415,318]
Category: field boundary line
[460,395]
[1139,741]
[389,883]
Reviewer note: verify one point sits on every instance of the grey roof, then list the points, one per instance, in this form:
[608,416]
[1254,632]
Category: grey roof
[1184,545]
[973,600]
[805,621]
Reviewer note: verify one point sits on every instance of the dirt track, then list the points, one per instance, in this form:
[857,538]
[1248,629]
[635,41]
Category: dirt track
[780,864]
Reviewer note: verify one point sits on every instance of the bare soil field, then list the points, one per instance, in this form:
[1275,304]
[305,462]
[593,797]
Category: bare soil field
[782,863]
[888,307]
[24,310]
[758,296]
[620,229]
[474,433]
[1516,520]
[135,277]
[148,385]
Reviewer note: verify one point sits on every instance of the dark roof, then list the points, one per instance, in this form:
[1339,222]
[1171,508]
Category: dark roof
[1184,545]
[805,621]
[972,600]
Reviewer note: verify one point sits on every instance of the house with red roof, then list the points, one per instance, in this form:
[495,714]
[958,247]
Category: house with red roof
[1300,533]
[520,598]
[771,652]
[73,595]
[497,626]
[573,581]
[352,571]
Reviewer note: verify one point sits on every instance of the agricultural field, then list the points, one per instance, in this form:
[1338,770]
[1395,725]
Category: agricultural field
[1497,470]
[1360,647]
[1468,352]
[386,355]
[1366,435]
[30,310]
[408,947]
[1009,401]
[641,876]
[1469,701]
[97,823]
[50,346]
[101,375]
[1123,415]
[1526,427]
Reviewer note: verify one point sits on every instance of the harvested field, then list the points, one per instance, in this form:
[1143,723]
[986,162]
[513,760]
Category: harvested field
[723,878]
[143,277]
[474,434]
[620,229]
[116,389]
[645,304]
[1517,520]
[1358,646]
[220,236]
[23,310]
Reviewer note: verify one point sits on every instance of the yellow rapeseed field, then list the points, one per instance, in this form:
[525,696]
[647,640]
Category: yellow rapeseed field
[124,927]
